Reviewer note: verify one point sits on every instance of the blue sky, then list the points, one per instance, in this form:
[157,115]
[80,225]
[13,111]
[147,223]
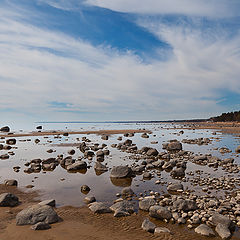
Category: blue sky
[92,60]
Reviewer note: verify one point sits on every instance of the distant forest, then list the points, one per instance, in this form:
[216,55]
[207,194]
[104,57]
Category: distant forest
[227,117]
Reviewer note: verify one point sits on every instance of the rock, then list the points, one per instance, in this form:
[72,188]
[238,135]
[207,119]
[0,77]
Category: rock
[174,187]
[218,218]
[37,213]
[79,165]
[152,152]
[178,173]
[89,199]
[39,127]
[174,146]
[41,226]
[146,203]
[71,152]
[147,175]
[104,137]
[49,161]
[169,165]
[5,129]
[8,200]
[148,226]
[99,207]
[237,150]
[50,202]
[160,212]
[160,230]
[100,167]
[223,231]
[37,140]
[85,189]
[204,230]
[11,182]
[4,156]
[121,172]
[144,135]
[127,192]
[122,208]
[11,141]
[185,205]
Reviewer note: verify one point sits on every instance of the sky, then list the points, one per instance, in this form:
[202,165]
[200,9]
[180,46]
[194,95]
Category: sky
[105,60]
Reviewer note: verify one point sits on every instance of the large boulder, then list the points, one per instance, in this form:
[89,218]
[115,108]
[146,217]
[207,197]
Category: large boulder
[178,173]
[8,200]
[79,165]
[204,230]
[219,218]
[160,212]
[37,213]
[121,172]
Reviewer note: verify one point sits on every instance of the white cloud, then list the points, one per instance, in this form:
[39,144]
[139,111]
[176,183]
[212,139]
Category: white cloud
[38,67]
[209,8]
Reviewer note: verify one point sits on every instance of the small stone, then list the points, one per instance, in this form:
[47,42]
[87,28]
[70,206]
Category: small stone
[41,226]
[160,230]
[148,226]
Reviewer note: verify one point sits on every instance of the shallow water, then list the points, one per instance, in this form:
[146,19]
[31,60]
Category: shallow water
[67,192]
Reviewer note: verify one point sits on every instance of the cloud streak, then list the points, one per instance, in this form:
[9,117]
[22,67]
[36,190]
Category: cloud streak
[208,8]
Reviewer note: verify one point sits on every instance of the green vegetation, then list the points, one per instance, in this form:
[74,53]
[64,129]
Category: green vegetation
[227,117]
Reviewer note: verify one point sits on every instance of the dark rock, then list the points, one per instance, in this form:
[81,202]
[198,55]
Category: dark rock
[85,189]
[71,152]
[100,167]
[4,156]
[127,192]
[41,226]
[223,231]
[39,127]
[174,146]
[185,205]
[152,152]
[175,187]
[79,165]
[11,141]
[178,173]
[121,172]
[148,226]
[11,182]
[8,200]
[89,199]
[5,129]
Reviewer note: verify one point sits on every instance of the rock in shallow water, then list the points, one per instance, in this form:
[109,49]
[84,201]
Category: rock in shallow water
[146,203]
[121,172]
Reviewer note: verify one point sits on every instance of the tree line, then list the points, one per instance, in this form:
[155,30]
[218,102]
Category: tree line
[227,117]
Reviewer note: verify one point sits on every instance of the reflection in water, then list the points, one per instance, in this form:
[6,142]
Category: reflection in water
[121,182]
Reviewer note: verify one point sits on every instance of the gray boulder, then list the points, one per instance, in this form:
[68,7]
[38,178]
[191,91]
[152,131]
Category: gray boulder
[185,205]
[160,212]
[223,231]
[146,203]
[8,200]
[123,208]
[148,226]
[37,213]
[121,172]
[99,207]
[219,218]
[204,230]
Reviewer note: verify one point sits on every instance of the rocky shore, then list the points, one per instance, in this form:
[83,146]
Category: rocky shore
[181,212]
